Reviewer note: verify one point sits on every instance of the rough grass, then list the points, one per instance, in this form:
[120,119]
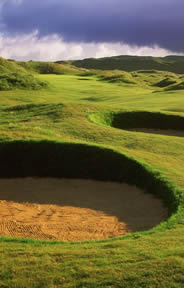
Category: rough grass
[7,66]
[61,113]
[20,80]
[50,68]
[157,80]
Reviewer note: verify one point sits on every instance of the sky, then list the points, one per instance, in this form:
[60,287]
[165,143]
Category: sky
[74,29]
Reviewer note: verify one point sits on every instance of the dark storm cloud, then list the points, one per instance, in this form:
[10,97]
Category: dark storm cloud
[139,22]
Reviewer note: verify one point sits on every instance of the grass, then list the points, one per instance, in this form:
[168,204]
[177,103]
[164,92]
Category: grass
[139,119]
[17,80]
[133,63]
[72,119]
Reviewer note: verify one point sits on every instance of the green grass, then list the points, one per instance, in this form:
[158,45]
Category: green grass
[50,68]
[73,119]
[17,80]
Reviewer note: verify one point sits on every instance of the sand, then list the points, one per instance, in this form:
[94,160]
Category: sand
[167,132]
[75,209]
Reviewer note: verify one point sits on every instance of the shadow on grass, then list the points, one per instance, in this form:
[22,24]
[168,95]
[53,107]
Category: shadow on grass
[142,121]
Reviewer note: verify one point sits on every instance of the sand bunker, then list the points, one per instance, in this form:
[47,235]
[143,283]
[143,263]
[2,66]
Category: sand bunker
[74,209]
[167,132]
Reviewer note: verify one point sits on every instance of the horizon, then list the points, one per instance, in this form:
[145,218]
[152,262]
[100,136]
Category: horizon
[81,59]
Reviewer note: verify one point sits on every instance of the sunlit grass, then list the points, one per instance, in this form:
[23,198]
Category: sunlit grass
[61,112]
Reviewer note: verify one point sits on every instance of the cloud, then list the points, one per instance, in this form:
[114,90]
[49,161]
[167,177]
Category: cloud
[53,47]
[137,22]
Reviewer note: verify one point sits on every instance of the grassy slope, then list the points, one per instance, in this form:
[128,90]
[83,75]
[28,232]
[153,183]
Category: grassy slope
[14,76]
[131,63]
[154,260]
[49,68]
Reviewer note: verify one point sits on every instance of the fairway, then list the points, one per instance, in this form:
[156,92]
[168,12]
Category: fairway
[120,222]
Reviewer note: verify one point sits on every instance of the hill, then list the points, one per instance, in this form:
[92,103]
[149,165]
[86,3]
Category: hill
[9,66]
[14,75]
[50,67]
[20,80]
[173,64]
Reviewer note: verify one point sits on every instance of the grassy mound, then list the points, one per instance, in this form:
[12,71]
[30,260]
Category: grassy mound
[178,86]
[12,66]
[165,82]
[141,78]
[7,66]
[19,80]
[50,68]
[117,77]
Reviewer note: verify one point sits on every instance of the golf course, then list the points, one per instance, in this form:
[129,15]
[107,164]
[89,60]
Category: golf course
[91,173]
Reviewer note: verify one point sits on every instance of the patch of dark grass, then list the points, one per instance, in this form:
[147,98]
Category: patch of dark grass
[178,86]
[34,107]
[37,111]
[93,99]
[87,74]
[87,79]
[147,71]
[165,82]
